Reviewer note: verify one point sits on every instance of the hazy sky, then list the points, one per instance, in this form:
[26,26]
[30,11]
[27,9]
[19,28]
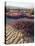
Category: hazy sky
[20,4]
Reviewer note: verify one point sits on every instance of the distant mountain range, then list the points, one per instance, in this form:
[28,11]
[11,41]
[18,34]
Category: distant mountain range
[13,7]
[21,16]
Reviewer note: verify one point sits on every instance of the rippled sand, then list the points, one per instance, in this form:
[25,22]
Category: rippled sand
[14,36]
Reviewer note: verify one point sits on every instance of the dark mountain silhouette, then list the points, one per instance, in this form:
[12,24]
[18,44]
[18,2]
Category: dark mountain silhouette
[21,16]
